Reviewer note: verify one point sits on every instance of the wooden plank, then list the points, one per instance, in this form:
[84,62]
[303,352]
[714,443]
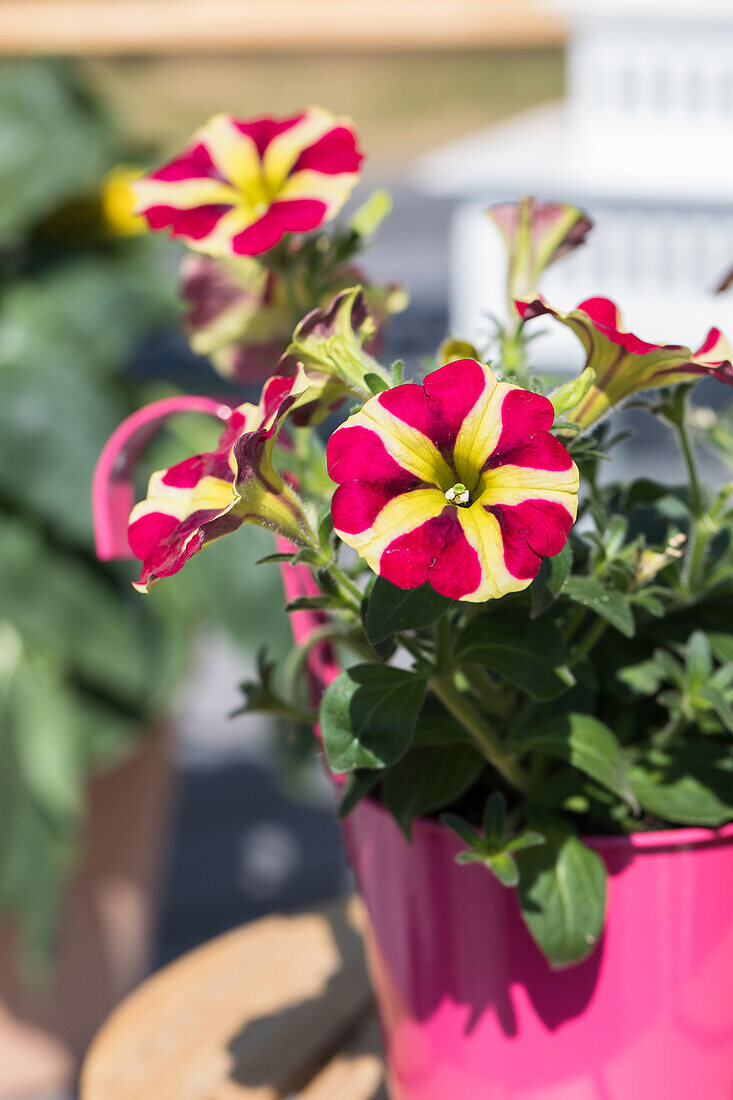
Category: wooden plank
[171,26]
[356,1072]
[250,1016]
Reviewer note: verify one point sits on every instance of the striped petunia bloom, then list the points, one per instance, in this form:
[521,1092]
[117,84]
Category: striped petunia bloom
[238,315]
[240,186]
[537,234]
[623,363]
[210,495]
[456,482]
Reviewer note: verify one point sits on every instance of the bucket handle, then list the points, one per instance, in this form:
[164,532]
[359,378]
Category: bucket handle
[113,485]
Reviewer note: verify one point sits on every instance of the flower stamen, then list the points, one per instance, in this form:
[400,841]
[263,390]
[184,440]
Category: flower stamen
[458,494]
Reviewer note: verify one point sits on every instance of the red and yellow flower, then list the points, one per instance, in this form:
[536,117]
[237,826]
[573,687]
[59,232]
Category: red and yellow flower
[240,186]
[210,495]
[457,482]
[238,315]
[624,364]
[242,317]
[536,234]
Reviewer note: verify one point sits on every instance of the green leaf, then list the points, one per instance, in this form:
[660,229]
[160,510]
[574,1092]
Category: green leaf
[461,828]
[358,785]
[531,655]
[584,742]
[562,895]
[688,784]
[311,603]
[54,146]
[699,661]
[376,383]
[501,864]
[552,576]
[527,839]
[606,602]
[717,700]
[436,726]
[493,819]
[649,602]
[368,715]
[645,678]
[573,392]
[722,646]
[66,607]
[429,777]
[370,215]
[391,609]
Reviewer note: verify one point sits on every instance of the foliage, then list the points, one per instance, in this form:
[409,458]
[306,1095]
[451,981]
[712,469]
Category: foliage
[530,683]
[85,665]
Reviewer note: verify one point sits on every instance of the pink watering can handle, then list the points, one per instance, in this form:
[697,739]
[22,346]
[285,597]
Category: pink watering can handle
[113,488]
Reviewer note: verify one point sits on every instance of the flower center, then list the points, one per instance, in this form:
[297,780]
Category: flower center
[458,494]
[256,194]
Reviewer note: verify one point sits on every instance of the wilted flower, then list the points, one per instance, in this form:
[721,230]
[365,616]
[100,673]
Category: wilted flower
[652,562]
[456,482]
[536,234]
[238,315]
[329,345]
[624,364]
[241,316]
[239,186]
[212,494]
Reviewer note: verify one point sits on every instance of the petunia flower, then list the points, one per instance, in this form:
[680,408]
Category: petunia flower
[210,495]
[456,482]
[238,315]
[118,201]
[241,316]
[624,364]
[536,234]
[240,186]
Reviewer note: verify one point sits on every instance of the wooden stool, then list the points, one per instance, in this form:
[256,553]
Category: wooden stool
[278,1008]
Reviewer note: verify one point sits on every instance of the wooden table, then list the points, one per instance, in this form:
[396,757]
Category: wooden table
[278,1008]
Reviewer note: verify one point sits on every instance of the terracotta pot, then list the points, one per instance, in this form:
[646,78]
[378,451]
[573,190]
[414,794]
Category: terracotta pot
[106,937]
[471,1010]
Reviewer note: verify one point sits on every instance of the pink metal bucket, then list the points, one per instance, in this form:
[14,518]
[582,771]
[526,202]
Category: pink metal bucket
[469,1007]
[471,1011]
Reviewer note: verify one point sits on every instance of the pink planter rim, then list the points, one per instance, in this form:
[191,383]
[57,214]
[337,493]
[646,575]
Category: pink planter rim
[684,839]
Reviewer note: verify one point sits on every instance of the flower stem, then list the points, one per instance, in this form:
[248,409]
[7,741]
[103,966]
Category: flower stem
[442,644]
[474,723]
[688,454]
[699,529]
[345,581]
[595,633]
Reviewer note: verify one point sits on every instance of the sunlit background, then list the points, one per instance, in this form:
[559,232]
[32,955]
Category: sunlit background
[136,818]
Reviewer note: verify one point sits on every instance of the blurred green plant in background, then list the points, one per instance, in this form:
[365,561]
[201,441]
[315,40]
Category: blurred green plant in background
[85,664]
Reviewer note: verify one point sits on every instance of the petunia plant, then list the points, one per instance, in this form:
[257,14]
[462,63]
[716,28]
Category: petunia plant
[531,650]
[254,201]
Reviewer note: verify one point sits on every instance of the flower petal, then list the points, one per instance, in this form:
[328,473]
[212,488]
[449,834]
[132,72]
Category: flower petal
[536,234]
[531,531]
[283,152]
[437,552]
[212,494]
[241,185]
[185,504]
[623,363]
[293,216]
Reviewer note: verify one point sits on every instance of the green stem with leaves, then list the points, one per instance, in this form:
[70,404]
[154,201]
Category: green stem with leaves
[482,733]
